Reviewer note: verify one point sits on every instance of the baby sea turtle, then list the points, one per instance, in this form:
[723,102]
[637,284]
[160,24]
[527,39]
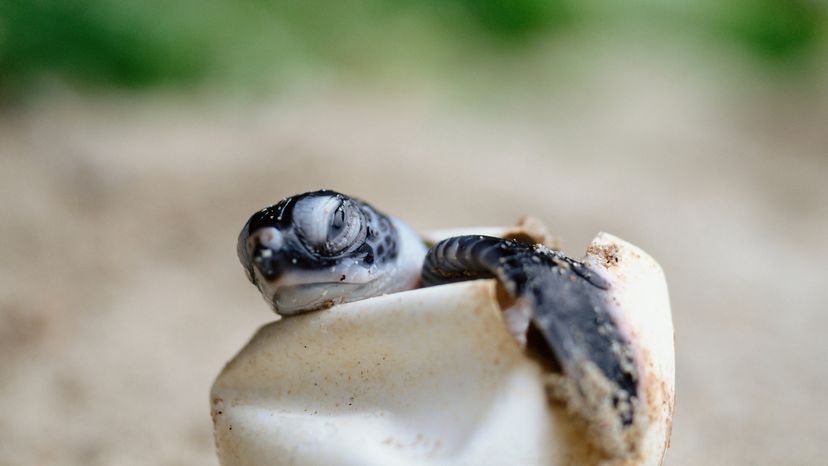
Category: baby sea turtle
[318,249]
[314,250]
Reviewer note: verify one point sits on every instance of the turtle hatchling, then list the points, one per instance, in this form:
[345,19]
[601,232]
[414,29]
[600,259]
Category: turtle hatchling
[586,335]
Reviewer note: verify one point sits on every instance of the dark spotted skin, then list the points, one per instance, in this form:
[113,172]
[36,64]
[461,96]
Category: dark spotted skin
[379,245]
[380,242]
[569,302]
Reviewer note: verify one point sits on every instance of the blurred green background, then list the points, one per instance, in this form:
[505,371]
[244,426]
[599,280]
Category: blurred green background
[137,137]
[256,42]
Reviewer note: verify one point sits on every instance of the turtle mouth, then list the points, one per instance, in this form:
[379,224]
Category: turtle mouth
[291,287]
[306,297]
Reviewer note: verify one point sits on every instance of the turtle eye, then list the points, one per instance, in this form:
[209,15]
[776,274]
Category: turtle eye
[330,225]
[346,226]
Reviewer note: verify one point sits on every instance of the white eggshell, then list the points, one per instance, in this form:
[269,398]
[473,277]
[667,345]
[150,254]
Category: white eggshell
[428,376]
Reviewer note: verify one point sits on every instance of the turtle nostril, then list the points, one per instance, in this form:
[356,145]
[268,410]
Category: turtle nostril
[264,245]
[268,237]
[265,261]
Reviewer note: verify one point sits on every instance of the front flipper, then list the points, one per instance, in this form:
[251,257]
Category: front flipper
[572,327]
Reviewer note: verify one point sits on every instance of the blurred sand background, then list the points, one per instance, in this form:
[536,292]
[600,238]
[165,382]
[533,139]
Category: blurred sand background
[121,296]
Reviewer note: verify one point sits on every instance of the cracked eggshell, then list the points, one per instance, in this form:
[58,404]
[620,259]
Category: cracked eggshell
[639,291]
[428,376]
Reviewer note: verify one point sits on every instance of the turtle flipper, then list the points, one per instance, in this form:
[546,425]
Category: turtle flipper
[570,315]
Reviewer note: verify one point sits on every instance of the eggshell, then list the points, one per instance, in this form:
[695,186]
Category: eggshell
[431,377]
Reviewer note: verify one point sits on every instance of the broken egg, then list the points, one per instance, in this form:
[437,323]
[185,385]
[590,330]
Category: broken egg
[435,376]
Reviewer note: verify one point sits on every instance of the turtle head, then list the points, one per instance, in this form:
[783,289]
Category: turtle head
[318,249]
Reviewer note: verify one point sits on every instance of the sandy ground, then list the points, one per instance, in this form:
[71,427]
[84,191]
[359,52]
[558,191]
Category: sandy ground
[121,297]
